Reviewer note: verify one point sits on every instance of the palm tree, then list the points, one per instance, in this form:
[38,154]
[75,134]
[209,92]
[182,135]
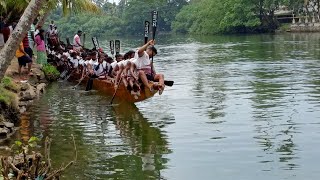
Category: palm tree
[68,6]
[8,51]
[30,12]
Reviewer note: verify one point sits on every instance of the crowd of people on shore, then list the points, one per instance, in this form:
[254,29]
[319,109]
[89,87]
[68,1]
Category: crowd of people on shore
[34,41]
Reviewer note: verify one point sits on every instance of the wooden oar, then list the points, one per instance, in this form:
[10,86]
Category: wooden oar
[117,48]
[115,92]
[74,87]
[70,75]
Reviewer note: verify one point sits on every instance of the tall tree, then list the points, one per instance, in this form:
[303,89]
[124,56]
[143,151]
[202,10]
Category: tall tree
[9,49]
[30,12]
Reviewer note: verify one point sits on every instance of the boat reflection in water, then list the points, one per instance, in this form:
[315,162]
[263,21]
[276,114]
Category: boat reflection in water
[113,142]
[148,143]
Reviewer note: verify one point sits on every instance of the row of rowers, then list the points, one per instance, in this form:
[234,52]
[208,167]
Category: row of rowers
[130,68]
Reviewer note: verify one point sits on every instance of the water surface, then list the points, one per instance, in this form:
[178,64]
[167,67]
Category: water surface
[242,107]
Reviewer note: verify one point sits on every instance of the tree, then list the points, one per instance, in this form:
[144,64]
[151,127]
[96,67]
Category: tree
[230,16]
[27,18]
[9,49]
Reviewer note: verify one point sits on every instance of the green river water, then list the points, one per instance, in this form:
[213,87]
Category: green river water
[242,107]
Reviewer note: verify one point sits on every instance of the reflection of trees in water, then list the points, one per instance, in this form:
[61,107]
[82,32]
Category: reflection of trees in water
[274,133]
[209,92]
[209,83]
[113,142]
[313,78]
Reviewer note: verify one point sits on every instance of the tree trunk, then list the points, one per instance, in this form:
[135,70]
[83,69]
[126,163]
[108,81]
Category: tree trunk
[9,49]
[44,17]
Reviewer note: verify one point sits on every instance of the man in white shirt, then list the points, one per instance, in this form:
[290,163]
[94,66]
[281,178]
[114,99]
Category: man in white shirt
[76,42]
[145,67]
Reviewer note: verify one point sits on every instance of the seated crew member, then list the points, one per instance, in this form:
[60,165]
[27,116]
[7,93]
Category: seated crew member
[145,67]
[109,68]
[132,76]
[99,68]
[119,57]
[94,70]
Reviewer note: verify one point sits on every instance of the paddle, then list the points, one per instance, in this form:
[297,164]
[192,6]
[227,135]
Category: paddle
[112,47]
[98,43]
[154,23]
[68,41]
[117,46]
[79,82]
[115,92]
[154,29]
[95,43]
[84,39]
[146,31]
[168,83]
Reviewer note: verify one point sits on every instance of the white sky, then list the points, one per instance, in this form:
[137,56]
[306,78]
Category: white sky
[116,1]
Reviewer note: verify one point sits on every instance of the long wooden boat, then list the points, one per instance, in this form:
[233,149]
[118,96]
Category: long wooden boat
[106,87]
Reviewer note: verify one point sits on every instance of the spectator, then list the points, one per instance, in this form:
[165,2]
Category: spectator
[41,49]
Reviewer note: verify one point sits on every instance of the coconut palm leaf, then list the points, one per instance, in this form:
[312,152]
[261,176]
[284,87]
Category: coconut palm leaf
[3,6]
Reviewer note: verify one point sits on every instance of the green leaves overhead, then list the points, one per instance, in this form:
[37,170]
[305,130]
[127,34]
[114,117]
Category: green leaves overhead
[15,8]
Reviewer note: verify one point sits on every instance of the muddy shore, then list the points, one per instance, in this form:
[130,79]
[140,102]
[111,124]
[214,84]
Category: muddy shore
[17,95]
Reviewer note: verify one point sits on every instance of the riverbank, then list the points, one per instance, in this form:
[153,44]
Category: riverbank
[17,95]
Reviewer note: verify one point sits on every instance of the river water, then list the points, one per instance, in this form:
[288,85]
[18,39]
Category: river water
[242,107]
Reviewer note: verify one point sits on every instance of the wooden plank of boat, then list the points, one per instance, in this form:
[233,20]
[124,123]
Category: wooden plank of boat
[107,87]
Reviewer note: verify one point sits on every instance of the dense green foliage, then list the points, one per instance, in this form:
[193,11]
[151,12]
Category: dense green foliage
[7,85]
[230,16]
[50,72]
[125,18]
[182,16]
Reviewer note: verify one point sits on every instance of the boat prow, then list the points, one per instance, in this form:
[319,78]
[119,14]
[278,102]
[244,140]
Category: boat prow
[106,86]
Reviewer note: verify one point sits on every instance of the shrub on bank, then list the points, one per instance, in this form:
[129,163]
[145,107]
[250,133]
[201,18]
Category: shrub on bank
[7,87]
[50,72]
[9,84]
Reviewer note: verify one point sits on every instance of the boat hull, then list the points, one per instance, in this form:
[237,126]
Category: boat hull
[106,87]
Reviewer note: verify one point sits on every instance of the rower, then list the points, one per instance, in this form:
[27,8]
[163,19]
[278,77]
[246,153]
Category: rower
[95,71]
[109,68]
[129,55]
[98,67]
[119,57]
[146,69]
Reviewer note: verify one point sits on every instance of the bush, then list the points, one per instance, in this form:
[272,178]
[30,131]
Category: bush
[8,83]
[7,97]
[50,72]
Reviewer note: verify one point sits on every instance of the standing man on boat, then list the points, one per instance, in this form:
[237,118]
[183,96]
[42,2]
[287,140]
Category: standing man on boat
[145,67]
[76,42]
